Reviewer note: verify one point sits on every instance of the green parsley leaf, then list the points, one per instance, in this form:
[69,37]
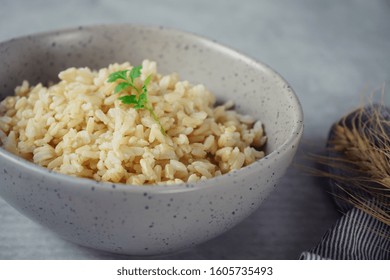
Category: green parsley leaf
[143,99]
[118,75]
[129,99]
[122,86]
[147,80]
[135,72]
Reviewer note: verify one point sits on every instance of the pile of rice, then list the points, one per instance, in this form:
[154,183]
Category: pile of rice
[79,127]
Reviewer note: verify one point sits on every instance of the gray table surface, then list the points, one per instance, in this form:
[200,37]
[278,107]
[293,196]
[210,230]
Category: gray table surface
[331,52]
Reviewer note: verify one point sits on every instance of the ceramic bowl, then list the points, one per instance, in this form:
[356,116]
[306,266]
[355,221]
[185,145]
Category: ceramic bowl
[143,220]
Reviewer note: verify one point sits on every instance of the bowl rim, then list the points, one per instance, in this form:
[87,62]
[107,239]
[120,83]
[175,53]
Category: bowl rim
[293,138]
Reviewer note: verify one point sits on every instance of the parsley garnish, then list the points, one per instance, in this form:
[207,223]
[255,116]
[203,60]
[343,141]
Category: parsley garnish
[139,100]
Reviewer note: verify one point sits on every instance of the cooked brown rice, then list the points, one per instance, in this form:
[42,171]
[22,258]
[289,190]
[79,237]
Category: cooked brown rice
[79,127]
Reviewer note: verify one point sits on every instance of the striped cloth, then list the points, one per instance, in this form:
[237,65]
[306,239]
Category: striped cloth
[357,235]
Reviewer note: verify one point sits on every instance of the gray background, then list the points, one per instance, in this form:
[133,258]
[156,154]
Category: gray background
[332,53]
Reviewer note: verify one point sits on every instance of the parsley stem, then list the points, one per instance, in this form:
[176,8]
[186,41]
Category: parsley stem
[156,119]
[136,89]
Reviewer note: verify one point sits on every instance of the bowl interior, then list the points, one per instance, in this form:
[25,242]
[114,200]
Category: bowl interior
[255,88]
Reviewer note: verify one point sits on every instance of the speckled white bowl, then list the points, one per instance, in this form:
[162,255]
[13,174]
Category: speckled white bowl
[145,220]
